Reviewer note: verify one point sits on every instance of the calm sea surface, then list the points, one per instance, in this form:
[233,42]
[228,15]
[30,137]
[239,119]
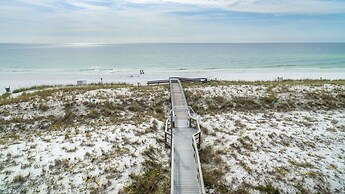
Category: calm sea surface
[165,57]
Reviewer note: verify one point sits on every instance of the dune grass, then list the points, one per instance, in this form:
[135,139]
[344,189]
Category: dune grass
[272,99]
[146,102]
[154,178]
[314,82]
[38,87]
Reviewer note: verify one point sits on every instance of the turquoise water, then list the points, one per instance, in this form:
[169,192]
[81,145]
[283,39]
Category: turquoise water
[166,57]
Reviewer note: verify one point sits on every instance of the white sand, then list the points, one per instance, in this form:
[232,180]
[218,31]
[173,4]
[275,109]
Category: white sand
[18,80]
[77,159]
[290,150]
[294,150]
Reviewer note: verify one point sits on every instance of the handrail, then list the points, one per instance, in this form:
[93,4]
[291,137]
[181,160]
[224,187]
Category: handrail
[195,149]
[167,132]
[191,109]
[195,118]
[196,154]
[172,150]
[172,103]
[197,158]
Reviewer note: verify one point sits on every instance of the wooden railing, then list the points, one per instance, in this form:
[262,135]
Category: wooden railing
[172,151]
[193,122]
[196,144]
[168,134]
[198,167]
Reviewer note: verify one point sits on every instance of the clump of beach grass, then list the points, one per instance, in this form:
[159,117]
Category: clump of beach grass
[154,179]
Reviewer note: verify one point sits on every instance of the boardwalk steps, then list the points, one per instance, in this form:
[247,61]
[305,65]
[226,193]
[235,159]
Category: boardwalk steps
[182,136]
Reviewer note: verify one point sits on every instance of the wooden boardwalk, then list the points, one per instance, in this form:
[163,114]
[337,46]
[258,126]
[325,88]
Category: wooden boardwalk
[185,164]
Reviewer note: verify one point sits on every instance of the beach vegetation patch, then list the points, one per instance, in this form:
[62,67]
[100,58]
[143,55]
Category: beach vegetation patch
[269,189]
[74,149]
[261,96]
[285,82]
[282,170]
[59,164]
[154,178]
[151,181]
[39,87]
[135,107]
[239,124]
[19,179]
[213,179]
[5,95]
[43,107]
[213,169]
[245,104]
[246,143]
[301,164]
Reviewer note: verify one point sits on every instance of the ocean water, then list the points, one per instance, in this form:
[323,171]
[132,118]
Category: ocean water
[169,57]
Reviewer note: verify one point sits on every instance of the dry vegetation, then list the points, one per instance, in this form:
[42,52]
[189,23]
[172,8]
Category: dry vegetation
[88,139]
[258,137]
[308,95]
[272,137]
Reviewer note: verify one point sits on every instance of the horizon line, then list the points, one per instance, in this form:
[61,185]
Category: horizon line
[95,43]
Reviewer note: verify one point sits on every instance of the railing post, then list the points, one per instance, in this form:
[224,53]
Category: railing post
[165,137]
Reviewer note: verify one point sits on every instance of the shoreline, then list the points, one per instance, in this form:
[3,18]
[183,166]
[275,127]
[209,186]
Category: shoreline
[18,80]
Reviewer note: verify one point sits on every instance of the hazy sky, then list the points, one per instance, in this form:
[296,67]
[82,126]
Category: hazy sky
[137,21]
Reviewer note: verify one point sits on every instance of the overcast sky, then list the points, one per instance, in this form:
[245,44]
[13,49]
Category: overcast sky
[154,21]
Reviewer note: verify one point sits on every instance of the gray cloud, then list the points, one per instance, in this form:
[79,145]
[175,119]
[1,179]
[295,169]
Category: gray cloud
[121,21]
[262,6]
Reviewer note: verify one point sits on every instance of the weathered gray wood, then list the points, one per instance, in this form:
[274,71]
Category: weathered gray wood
[184,167]
[197,79]
[166,81]
[163,81]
